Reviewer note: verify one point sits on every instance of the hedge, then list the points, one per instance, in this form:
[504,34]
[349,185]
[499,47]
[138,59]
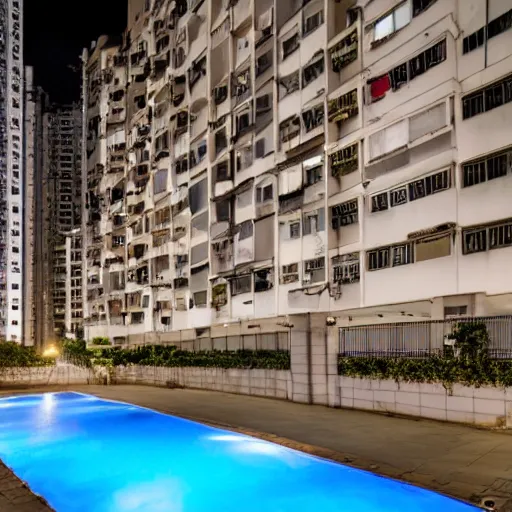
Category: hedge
[170,356]
[447,370]
[13,355]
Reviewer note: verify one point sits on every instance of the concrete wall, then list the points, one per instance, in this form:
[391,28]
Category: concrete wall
[267,383]
[490,407]
[49,376]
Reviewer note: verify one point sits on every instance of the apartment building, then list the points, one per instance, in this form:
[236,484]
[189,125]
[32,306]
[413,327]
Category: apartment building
[248,160]
[11,170]
[34,272]
[63,209]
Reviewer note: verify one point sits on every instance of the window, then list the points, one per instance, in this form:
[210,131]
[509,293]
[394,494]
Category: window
[137,317]
[243,123]
[378,259]
[379,202]
[417,189]
[473,41]
[264,62]
[407,71]
[398,196]
[15,286]
[401,254]
[160,181]
[346,268]
[289,84]
[314,270]
[344,161]
[494,28]
[389,256]
[294,230]
[264,194]
[312,23]
[246,230]
[486,238]
[263,104]
[313,118]
[263,280]
[200,299]
[455,311]
[474,240]
[429,185]
[500,24]
[314,174]
[15,209]
[290,45]
[500,236]
[488,98]
[313,222]
[344,214]
[290,273]
[223,209]
[312,71]
[392,22]
[344,52]
[241,285]
[342,108]
[145,301]
[491,167]
[289,129]
[222,172]
[259,148]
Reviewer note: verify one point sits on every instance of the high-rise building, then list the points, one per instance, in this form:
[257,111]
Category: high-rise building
[34,272]
[11,170]
[248,160]
[63,219]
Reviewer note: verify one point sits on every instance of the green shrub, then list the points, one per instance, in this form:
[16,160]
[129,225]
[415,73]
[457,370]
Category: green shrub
[100,340]
[13,355]
[170,356]
[466,363]
[75,352]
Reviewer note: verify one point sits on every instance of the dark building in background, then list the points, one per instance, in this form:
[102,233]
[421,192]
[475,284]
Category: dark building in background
[63,219]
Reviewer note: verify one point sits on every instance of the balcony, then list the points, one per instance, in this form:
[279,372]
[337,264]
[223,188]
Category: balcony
[162,278]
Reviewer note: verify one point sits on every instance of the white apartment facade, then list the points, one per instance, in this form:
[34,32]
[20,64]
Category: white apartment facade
[11,170]
[252,160]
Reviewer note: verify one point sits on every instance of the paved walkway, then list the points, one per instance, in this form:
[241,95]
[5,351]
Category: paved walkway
[460,461]
[16,497]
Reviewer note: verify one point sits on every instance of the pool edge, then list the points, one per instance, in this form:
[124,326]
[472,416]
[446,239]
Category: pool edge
[379,469]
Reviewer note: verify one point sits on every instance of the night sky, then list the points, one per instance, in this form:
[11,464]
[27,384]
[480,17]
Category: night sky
[55,33]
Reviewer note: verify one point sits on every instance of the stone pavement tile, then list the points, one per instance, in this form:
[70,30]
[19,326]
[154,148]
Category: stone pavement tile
[15,496]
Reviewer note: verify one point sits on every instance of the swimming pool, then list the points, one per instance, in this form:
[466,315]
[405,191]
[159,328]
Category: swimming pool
[84,454]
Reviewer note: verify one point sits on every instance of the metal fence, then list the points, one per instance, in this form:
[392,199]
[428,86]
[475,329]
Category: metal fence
[420,339]
[267,341]
[260,341]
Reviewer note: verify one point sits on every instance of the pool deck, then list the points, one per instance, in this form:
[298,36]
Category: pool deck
[16,497]
[460,461]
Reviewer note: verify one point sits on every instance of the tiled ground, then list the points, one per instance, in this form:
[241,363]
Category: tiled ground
[15,496]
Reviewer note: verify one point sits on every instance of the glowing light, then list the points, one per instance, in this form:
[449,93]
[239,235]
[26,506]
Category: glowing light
[51,351]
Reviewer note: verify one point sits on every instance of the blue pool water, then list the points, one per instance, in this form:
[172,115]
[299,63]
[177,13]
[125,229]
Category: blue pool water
[90,455]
